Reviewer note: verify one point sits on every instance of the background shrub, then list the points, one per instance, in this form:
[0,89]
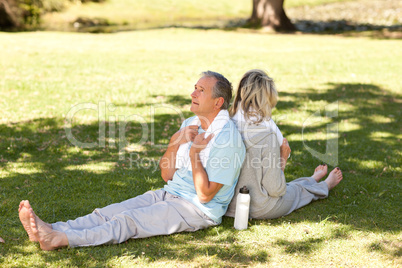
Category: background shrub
[26,14]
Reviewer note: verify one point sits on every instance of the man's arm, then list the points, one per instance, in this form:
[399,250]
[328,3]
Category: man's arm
[206,190]
[168,160]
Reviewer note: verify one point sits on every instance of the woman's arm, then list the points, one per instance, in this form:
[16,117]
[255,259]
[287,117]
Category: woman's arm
[273,178]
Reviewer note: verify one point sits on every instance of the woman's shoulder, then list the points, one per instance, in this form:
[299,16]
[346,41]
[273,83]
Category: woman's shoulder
[256,134]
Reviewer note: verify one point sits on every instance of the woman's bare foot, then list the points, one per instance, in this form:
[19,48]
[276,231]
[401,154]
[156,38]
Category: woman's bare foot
[48,238]
[320,172]
[24,214]
[334,178]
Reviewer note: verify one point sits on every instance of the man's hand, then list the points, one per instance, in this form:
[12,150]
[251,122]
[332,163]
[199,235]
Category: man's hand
[200,142]
[168,160]
[184,135]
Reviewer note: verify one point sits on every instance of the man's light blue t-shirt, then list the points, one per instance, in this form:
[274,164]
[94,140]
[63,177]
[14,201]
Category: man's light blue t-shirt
[223,166]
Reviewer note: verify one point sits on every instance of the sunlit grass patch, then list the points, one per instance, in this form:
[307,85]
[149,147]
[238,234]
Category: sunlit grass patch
[98,168]
[24,168]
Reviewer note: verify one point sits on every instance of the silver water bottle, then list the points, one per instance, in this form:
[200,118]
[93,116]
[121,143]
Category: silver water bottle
[242,209]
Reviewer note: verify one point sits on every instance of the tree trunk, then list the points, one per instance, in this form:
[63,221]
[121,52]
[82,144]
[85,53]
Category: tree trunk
[8,18]
[270,14]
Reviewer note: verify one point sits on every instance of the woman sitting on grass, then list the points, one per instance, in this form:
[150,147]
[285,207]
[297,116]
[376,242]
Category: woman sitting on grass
[267,152]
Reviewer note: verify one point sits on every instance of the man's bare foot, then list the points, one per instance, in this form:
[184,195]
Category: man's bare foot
[334,178]
[320,172]
[48,238]
[24,214]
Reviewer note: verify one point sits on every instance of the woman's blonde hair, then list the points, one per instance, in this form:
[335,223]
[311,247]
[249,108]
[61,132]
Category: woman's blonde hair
[256,96]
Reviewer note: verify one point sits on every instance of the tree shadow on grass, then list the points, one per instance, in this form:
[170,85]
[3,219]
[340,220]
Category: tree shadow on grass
[310,243]
[339,27]
[223,24]
[367,151]
[62,181]
[37,156]
[351,28]
[392,249]
[368,108]
[175,102]
[305,246]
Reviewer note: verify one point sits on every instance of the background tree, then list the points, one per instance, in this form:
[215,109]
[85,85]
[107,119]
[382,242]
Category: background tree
[270,14]
[9,14]
[19,14]
[26,14]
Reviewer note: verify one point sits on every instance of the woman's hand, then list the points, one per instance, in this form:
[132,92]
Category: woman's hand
[285,153]
[285,149]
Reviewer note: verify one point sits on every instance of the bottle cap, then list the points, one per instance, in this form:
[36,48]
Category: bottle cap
[244,190]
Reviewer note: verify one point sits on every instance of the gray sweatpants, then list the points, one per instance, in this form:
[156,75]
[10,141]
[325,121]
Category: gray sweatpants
[153,213]
[299,193]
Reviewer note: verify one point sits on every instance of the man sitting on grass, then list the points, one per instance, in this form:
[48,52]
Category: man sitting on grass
[201,166]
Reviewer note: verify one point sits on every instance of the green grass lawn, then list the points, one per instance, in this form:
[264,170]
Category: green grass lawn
[141,81]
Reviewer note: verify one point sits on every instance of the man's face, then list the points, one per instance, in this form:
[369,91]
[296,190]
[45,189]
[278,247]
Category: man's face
[202,103]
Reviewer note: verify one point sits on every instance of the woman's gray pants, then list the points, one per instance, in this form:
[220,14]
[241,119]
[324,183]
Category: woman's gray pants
[299,193]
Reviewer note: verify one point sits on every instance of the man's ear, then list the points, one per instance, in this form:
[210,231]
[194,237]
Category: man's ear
[219,102]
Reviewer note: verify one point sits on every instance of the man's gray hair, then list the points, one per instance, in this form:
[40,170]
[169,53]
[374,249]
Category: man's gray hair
[223,88]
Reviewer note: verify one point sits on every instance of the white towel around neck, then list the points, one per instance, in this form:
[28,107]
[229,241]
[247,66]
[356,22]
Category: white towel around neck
[239,118]
[183,154]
